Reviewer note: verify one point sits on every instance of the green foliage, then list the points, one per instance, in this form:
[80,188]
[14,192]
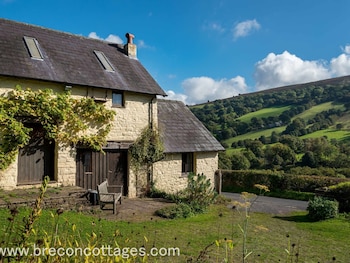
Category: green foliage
[194,199]
[340,192]
[64,119]
[147,149]
[321,208]
[199,194]
[181,210]
[276,181]
[293,114]
[239,161]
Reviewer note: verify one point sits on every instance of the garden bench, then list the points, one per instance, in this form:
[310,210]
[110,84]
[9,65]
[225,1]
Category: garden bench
[107,197]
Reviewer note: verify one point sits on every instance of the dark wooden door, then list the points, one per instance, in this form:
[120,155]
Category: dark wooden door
[36,160]
[117,168]
[95,167]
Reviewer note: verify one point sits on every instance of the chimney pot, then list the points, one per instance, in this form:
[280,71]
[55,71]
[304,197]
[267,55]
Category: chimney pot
[130,37]
[130,47]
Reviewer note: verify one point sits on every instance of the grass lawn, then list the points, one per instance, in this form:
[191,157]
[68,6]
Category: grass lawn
[268,236]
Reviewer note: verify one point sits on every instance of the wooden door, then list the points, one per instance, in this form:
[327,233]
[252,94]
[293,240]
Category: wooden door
[95,167]
[117,168]
[36,160]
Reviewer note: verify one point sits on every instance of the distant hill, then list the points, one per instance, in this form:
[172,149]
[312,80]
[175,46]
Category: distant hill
[277,107]
[304,111]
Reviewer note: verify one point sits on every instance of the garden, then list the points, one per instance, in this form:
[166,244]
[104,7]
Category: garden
[208,229]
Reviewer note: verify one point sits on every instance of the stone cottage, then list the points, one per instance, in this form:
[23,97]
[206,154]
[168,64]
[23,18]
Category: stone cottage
[40,58]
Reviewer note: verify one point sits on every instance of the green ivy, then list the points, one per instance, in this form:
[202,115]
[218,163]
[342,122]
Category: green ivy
[147,149]
[65,120]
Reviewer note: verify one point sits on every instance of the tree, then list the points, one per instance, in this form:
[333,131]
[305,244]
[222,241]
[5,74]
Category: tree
[296,128]
[224,161]
[279,155]
[339,126]
[239,161]
[309,160]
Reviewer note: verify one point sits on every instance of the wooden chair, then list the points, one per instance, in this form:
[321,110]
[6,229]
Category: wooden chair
[109,197]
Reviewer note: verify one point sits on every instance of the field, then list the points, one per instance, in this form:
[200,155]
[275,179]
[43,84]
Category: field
[208,236]
[264,113]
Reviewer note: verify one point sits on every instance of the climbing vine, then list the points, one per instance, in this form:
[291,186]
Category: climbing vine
[147,149]
[65,119]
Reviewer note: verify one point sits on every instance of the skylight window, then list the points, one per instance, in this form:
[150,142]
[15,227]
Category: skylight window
[104,61]
[33,48]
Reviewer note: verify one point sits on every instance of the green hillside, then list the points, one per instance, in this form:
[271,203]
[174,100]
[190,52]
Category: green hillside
[264,113]
[276,111]
[298,125]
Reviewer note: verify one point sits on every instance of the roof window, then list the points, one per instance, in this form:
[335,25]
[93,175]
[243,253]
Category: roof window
[33,48]
[104,61]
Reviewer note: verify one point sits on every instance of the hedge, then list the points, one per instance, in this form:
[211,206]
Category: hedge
[276,180]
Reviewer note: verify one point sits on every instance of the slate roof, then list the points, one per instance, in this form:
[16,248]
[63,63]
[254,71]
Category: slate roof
[70,59]
[181,131]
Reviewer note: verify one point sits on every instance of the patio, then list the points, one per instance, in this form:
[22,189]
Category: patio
[74,198]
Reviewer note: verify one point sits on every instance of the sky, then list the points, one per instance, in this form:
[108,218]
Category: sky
[203,50]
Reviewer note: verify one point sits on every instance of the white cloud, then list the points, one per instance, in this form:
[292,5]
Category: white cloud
[217,27]
[275,70]
[111,38]
[142,44]
[202,89]
[175,96]
[244,28]
[214,26]
[286,69]
[340,65]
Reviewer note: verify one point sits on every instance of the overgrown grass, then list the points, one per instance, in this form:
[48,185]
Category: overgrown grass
[268,235]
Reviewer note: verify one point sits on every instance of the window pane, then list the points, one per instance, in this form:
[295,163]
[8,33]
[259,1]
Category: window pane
[33,47]
[187,162]
[117,99]
[104,61]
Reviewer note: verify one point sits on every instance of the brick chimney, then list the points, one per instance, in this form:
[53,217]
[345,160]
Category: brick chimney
[130,48]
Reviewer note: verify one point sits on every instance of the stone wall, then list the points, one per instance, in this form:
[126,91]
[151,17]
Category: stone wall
[128,124]
[167,174]
[129,121]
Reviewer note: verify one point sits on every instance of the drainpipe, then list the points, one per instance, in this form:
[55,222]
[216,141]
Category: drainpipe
[150,123]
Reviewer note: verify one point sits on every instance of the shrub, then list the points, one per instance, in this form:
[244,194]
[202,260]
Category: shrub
[341,192]
[180,210]
[195,198]
[321,208]
[199,194]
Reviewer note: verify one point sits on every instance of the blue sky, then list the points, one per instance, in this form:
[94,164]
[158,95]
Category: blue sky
[210,49]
